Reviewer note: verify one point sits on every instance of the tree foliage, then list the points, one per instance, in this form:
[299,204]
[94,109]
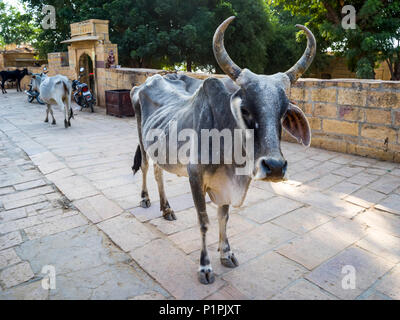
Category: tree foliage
[168,33]
[15,27]
[375,39]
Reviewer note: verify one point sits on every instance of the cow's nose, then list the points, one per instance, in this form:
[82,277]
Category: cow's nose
[273,168]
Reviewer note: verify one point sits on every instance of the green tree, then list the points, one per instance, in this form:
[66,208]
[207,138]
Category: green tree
[375,39]
[15,27]
[167,33]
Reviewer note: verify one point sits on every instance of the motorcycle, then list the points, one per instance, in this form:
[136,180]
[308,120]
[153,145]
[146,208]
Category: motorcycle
[34,94]
[82,95]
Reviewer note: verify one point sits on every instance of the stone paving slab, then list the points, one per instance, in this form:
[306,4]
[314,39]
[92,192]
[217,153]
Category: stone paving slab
[265,211]
[158,257]
[29,291]
[227,292]
[74,203]
[382,244]
[390,284]
[266,276]
[323,242]
[76,187]
[16,274]
[98,208]
[127,232]
[302,220]
[8,257]
[390,204]
[368,268]
[10,239]
[303,290]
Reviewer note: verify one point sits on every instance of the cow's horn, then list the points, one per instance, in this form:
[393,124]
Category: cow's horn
[304,62]
[222,57]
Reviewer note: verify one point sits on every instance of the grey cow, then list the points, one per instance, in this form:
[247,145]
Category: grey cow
[245,100]
[55,90]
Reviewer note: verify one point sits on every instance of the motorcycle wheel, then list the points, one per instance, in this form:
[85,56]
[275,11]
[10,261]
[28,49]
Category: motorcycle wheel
[76,98]
[30,99]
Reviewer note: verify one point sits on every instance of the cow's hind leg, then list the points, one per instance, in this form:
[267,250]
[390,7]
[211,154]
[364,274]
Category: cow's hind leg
[145,202]
[228,259]
[66,113]
[168,213]
[47,113]
[51,112]
[65,108]
[205,273]
[141,159]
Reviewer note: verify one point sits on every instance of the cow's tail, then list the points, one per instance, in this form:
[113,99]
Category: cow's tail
[137,160]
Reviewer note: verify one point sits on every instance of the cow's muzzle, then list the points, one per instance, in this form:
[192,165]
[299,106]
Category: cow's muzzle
[271,169]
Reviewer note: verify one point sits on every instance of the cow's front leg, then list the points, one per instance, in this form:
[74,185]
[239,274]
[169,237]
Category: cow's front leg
[205,273]
[228,259]
[168,213]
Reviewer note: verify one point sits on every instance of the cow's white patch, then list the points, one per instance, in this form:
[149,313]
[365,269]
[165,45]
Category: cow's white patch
[206,268]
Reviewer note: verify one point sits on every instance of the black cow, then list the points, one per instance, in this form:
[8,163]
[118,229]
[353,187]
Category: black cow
[15,75]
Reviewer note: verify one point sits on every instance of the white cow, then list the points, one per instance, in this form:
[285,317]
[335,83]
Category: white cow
[55,90]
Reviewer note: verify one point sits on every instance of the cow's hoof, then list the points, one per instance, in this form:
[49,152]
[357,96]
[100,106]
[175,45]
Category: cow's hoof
[206,276]
[46,120]
[145,203]
[230,261]
[65,124]
[54,122]
[169,214]
[69,123]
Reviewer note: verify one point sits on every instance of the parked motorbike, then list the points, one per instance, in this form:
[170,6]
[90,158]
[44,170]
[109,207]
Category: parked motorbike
[82,95]
[34,94]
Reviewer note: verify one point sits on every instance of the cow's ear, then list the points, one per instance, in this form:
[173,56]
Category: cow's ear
[296,123]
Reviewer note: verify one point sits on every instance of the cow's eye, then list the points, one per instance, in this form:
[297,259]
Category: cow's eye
[248,118]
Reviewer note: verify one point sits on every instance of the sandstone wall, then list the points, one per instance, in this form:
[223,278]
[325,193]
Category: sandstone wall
[126,78]
[353,116]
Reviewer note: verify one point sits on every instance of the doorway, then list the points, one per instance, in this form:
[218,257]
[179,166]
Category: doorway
[87,76]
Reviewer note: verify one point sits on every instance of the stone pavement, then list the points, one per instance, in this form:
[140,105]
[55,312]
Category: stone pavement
[68,200]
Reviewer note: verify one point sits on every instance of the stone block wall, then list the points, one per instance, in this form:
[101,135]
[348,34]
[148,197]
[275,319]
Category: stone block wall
[56,61]
[126,78]
[352,116]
